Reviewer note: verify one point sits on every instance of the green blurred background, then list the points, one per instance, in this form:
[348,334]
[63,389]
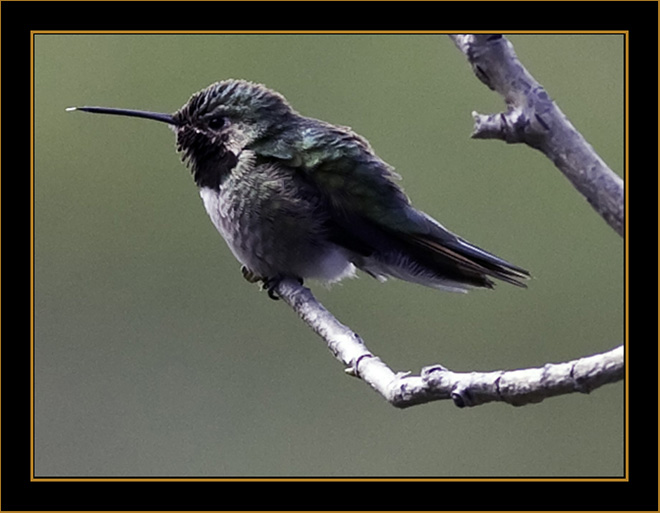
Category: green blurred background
[155,358]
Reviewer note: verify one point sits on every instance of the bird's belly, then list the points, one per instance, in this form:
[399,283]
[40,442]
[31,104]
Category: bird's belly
[274,244]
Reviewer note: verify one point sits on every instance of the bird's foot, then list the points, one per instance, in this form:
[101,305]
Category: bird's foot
[250,276]
[270,284]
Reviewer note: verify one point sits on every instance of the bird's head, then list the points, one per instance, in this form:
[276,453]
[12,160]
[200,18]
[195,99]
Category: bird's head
[219,122]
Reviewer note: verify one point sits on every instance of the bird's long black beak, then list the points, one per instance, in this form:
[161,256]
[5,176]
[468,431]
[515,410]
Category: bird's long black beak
[156,116]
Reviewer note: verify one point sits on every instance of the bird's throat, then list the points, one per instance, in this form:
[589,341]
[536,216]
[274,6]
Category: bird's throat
[210,161]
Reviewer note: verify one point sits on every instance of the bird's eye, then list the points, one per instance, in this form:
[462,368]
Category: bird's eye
[217,123]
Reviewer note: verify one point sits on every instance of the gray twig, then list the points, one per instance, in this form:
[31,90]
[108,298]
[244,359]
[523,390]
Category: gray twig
[533,118]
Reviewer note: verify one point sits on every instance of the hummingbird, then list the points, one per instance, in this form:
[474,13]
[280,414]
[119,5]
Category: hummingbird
[297,197]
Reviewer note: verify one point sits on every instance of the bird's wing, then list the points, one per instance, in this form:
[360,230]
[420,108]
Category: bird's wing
[344,167]
[373,212]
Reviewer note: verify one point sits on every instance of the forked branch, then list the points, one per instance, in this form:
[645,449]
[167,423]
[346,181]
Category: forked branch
[533,118]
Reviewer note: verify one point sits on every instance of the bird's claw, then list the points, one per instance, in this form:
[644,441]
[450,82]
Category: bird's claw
[267,284]
[270,284]
[250,276]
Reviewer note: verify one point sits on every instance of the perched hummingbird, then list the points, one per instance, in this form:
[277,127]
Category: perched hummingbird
[298,197]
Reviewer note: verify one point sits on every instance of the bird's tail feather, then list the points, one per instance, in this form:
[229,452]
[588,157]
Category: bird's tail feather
[469,262]
[429,255]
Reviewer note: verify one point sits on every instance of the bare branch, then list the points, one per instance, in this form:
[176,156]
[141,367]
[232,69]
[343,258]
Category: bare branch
[524,386]
[534,119]
[516,387]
